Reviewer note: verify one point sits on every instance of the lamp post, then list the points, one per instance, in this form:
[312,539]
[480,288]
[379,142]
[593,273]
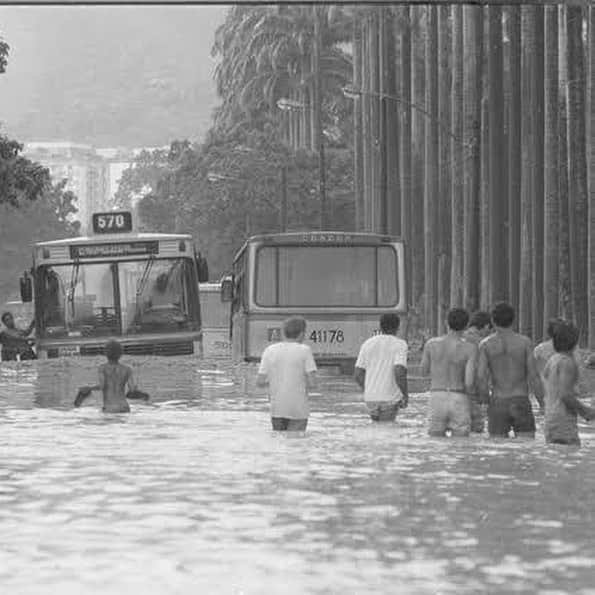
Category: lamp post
[285,104]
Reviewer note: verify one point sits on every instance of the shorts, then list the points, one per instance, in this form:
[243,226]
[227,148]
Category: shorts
[283,424]
[383,410]
[478,415]
[509,413]
[449,410]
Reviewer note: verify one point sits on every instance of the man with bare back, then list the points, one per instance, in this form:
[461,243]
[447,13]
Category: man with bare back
[450,362]
[506,362]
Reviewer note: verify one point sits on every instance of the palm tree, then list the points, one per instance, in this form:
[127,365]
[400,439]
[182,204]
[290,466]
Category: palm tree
[457,209]
[551,210]
[473,55]
[592,179]
[578,207]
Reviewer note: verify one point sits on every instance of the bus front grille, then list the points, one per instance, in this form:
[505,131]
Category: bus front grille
[177,348]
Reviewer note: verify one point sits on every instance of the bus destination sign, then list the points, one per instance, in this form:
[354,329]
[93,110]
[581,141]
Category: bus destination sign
[113,249]
[112,222]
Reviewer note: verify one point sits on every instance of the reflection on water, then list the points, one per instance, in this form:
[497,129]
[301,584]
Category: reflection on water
[193,490]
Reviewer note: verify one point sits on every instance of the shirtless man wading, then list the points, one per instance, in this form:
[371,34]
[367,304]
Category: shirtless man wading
[506,362]
[450,362]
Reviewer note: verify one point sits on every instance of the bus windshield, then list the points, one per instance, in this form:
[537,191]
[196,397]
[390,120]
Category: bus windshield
[113,298]
[319,276]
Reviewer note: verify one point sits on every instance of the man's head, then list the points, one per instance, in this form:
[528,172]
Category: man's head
[8,320]
[113,351]
[481,321]
[457,319]
[551,325]
[389,323]
[503,315]
[294,328]
[565,336]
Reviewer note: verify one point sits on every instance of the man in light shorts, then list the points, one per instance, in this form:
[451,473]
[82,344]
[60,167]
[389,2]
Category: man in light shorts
[289,370]
[381,370]
[449,360]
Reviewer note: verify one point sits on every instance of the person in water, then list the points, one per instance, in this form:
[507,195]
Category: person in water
[450,360]
[381,370]
[480,326]
[14,340]
[113,378]
[289,370]
[560,377]
[506,362]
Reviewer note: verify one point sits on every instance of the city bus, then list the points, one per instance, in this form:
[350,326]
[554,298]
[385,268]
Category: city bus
[139,288]
[339,282]
[215,309]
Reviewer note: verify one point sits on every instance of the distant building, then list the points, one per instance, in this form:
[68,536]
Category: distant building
[93,175]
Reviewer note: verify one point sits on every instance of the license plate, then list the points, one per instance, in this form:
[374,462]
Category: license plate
[68,350]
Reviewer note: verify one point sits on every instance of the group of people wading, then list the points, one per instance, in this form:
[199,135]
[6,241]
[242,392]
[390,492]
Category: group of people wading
[480,367]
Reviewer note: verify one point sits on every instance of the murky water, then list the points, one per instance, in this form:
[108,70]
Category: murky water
[192,493]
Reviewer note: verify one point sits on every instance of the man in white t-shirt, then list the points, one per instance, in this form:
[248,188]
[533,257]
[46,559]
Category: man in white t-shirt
[288,368]
[381,370]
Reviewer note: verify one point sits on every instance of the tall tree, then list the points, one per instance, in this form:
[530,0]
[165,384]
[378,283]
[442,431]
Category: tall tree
[551,210]
[358,165]
[592,178]
[528,163]
[497,199]
[514,151]
[445,164]
[473,54]
[578,207]
[431,171]
[457,211]
[537,83]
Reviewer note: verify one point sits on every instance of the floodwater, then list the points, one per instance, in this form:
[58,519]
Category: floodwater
[193,493]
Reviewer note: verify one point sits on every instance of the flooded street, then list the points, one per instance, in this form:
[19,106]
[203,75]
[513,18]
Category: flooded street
[193,491]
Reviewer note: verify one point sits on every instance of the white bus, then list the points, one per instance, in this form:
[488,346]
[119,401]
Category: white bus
[215,310]
[139,288]
[339,282]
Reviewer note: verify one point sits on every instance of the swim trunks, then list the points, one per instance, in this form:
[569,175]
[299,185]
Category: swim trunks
[383,410]
[449,410]
[510,412]
[286,424]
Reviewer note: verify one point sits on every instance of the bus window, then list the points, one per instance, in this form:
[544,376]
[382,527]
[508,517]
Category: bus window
[154,295]
[79,298]
[342,276]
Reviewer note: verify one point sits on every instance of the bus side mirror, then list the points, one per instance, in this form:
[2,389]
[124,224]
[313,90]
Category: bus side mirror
[26,288]
[227,290]
[202,268]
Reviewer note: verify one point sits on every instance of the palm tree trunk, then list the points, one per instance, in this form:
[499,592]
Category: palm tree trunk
[374,66]
[358,163]
[551,209]
[564,297]
[484,214]
[366,125]
[473,52]
[418,151]
[592,178]
[528,163]
[457,211]
[405,149]
[497,182]
[514,153]
[444,176]
[431,174]
[538,194]
[577,168]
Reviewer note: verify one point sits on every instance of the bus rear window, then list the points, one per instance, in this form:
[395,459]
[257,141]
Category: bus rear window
[335,276]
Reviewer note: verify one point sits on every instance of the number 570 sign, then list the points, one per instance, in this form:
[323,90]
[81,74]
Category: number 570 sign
[112,222]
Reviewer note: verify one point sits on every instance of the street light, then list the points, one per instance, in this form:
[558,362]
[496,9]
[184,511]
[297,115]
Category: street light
[350,93]
[287,105]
